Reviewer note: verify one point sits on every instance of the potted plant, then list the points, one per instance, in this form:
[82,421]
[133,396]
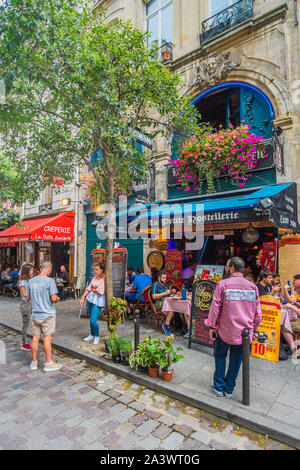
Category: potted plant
[169,356]
[113,347]
[152,352]
[125,348]
[137,360]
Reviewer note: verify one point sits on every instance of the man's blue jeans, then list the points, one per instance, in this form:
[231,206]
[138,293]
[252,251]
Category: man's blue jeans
[94,312]
[222,383]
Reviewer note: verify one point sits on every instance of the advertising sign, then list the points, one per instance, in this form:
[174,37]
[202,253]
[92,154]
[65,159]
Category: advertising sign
[203,292]
[209,273]
[173,267]
[267,345]
[119,268]
[269,256]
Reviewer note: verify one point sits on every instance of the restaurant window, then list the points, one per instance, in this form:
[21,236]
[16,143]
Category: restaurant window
[159,21]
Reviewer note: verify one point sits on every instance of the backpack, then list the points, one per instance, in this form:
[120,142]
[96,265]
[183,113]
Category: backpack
[283,355]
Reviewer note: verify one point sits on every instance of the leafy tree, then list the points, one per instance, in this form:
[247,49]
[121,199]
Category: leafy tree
[76,83]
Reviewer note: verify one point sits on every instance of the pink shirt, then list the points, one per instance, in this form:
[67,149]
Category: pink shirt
[98,284]
[235,306]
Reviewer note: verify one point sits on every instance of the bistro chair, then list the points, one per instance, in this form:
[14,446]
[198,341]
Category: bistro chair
[71,287]
[144,306]
[154,314]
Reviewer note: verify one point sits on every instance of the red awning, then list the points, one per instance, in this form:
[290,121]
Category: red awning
[58,228]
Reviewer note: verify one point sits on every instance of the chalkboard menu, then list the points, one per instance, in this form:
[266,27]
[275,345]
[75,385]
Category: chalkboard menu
[203,292]
[119,268]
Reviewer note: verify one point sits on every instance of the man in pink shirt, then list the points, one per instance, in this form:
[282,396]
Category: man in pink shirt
[235,306]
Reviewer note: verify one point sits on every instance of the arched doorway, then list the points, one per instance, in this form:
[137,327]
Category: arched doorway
[234,102]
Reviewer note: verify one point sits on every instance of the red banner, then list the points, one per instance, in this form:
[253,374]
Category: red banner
[173,267]
[269,257]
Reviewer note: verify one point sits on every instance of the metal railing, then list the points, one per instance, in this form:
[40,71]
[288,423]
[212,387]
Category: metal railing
[226,19]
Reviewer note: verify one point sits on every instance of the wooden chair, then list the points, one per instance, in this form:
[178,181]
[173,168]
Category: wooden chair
[71,287]
[144,306]
[154,314]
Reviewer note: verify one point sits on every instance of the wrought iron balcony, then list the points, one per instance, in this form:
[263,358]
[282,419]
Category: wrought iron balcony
[226,19]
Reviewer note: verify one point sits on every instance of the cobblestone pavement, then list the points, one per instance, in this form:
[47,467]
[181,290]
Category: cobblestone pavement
[84,407]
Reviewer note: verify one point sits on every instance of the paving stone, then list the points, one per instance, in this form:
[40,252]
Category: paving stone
[220,445]
[125,415]
[110,440]
[202,437]
[172,441]
[118,408]
[108,426]
[130,441]
[125,429]
[174,412]
[162,432]
[189,444]
[90,423]
[139,419]
[137,406]
[75,432]
[91,436]
[59,443]
[146,428]
[183,429]
[56,432]
[124,399]
[150,443]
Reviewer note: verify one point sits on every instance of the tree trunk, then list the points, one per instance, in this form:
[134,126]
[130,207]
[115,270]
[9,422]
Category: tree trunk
[110,242]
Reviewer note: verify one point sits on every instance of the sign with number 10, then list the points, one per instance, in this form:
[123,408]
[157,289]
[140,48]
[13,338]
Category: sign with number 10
[267,344]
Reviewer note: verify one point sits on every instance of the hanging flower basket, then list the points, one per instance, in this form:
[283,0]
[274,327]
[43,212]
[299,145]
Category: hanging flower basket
[230,152]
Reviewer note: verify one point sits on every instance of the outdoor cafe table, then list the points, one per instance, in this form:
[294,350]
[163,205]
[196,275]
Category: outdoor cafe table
[177,305]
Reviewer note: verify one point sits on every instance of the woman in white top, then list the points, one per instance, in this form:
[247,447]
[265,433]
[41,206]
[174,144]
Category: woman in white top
[95,296]
[25,305]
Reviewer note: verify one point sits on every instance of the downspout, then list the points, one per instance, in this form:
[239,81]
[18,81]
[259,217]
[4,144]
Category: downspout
[296,12]
[76,223]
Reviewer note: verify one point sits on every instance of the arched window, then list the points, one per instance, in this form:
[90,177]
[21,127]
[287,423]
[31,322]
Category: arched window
[234,103]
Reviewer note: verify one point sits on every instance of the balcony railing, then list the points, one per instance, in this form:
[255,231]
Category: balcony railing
[226,19]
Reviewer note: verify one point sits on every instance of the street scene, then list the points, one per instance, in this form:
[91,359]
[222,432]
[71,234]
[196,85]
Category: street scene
[149,225]
[85,408]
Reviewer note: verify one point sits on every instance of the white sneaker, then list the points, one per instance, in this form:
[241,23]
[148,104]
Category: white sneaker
[52,366]
[89,338]
[97,340]
[34,366]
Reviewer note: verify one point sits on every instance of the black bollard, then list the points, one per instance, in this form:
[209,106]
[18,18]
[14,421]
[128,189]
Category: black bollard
[136,328]
[246,368]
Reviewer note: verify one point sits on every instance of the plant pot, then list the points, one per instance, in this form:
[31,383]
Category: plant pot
[153,371]
[116,358]
[106,348]
[124,362]
[166,375]
[166,55]
[142,368]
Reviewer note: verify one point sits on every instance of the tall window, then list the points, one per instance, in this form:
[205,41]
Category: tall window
[159,21]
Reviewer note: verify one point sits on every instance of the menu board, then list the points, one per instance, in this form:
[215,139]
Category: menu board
[269,256]
[173,267]
[267,345]
[209,273]
[119,268]
[202,295]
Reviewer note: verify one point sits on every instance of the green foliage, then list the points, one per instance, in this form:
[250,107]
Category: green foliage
[152,353]
[115,312]
[113,345]
[76,83]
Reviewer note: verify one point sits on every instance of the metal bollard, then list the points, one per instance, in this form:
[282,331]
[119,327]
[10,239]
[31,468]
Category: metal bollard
[246,368]
[136,328]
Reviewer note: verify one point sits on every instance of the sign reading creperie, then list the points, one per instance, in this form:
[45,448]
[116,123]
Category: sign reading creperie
[55,233]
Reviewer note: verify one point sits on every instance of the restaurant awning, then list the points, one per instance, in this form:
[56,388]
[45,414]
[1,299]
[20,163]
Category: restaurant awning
[59,228]
[276,202]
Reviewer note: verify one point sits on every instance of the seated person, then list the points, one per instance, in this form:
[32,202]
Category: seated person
[14,276]
[159,291]
[248,273]
[62,282]
[293,299]
[264,284]
[140,282]
[131,275]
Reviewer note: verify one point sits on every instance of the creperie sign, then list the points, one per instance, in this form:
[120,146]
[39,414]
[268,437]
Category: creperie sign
[54,229]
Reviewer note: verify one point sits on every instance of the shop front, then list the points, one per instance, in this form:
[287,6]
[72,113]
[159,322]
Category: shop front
[43,239]
[248,226]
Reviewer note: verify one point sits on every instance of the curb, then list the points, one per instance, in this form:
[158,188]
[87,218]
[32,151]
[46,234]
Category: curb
[220,407]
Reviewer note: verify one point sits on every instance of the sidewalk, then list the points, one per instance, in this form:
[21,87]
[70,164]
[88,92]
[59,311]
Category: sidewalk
[274,398]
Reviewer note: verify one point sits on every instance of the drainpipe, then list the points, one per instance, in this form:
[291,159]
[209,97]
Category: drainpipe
[296,12]
[76,223]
